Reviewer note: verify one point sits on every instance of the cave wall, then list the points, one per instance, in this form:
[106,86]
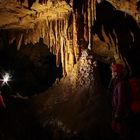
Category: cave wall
[31,26]
[65,33]
[74,25]
[117,29]
[110,29]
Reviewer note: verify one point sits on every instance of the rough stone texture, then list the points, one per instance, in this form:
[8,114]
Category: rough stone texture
[129,7]
[76,103]
[43,21]
[59,27]
[73,108]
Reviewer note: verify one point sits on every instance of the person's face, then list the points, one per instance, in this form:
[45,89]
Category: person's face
[114,74]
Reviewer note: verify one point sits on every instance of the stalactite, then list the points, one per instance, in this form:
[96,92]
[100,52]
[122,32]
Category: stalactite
[56,44]
[65,52]
[70,56]
[76,48]
[59,25]
[19,41]
[48,34]
[69,33]
[63,56]
[50,31]
[66,60]
[66,25]
[64,44]
[58,55]
[93,16]
[56,32]
[46,38]
[35,35]
[28,36]
[53,32]
[12,37]
[62,29]
[43,29]
[53,43]
[92,12]
[71,3]
[53,40]
[85,21]
[89,24]
[82,10]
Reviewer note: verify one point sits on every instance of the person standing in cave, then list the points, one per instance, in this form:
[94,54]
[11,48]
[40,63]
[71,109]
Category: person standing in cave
[120,101]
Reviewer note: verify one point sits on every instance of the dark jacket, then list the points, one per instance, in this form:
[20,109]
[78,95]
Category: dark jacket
[120,106]
[120,99]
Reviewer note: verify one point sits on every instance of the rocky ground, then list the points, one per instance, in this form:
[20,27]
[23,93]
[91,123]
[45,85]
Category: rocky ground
[74,108]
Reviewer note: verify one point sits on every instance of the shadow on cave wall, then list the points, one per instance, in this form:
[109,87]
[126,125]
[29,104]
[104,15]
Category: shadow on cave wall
[33,68]
[126,29]
[105,73]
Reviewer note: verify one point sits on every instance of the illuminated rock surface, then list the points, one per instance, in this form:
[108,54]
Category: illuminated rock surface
[74,36]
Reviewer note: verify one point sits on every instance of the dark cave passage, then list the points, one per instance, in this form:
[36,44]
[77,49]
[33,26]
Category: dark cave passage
[33,68]
[105,73]
[79,107]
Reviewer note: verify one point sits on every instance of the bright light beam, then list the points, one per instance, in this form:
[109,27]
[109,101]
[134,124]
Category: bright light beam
[6,78]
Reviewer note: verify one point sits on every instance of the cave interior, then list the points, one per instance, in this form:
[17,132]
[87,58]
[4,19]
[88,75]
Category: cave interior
[58,54]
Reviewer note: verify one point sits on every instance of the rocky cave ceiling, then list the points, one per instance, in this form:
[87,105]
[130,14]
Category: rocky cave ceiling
[76,32]
[109,28]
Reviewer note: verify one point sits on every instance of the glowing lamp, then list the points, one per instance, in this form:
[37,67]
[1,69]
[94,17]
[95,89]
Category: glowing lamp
[6,78]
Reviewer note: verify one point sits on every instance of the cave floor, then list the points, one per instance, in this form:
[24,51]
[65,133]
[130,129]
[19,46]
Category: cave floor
[25,120]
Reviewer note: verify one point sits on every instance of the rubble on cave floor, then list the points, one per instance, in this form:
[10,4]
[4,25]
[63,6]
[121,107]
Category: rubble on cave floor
[74,108]
[76,105]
